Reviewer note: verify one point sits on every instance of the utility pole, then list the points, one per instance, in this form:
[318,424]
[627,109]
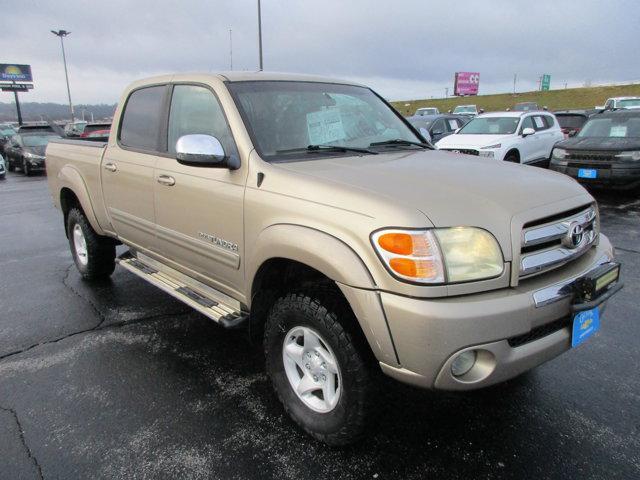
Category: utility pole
[62,34]
[540,83]
[515,78]
[446,92]
[15,94]
[230,50]
[260,34]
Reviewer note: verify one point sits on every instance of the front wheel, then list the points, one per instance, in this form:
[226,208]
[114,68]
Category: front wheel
[10,166]
[512,157]
[319,369]
[26,168]
[93,254]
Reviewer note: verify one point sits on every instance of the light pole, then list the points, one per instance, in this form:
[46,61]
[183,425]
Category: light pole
[62,34]
[230,50]
[260,34]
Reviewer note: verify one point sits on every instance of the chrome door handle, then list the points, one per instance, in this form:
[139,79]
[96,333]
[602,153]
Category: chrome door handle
[166,180]
[112,167]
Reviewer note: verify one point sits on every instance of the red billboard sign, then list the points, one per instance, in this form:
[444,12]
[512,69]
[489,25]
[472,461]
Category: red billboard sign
[466,83]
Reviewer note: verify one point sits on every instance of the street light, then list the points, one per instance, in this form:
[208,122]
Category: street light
[260,34]
[62,34]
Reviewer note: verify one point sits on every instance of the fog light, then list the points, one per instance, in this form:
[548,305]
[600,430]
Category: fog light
[463,363]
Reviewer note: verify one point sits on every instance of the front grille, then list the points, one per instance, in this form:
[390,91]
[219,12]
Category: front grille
[553,241]
[539,332]
[596,156]
[466,151]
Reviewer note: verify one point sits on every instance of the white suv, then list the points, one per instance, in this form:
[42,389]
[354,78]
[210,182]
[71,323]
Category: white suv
[621,102]
[520,137]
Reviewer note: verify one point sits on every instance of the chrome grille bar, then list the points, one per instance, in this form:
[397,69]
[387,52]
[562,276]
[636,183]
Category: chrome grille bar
[555,243]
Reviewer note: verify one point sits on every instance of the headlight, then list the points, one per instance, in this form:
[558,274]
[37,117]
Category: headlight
[559,153]
[442,255]
[633,155]
[497,145]
[30,155]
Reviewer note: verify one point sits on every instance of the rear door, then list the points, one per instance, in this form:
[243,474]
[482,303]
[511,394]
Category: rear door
[127,168]
[199,210]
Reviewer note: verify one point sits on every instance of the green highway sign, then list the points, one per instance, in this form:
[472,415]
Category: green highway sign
[546,82]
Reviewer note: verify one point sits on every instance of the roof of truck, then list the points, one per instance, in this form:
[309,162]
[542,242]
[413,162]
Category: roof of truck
[244,76]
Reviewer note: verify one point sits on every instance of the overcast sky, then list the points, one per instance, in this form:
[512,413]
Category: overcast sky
[404,49]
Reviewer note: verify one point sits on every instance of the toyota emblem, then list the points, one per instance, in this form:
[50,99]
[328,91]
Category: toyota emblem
[574,236]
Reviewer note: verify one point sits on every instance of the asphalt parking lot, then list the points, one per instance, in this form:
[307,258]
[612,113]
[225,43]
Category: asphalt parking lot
[119,380]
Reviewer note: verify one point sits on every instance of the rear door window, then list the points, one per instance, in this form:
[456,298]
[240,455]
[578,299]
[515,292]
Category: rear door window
[142,118]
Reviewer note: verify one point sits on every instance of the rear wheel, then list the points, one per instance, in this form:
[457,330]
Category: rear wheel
[93,254]
[10,166]
[319,369]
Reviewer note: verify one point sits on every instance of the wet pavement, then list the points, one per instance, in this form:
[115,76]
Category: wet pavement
[119,380]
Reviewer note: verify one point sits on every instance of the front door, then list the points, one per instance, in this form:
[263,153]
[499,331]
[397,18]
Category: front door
[528,145]
[199,210]
[127,168]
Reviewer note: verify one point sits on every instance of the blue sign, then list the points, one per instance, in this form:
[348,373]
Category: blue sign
[15,73]
[585,324]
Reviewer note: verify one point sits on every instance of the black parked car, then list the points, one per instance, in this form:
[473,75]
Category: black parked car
[572,121]
[25,150]
[606,152]
[438,126]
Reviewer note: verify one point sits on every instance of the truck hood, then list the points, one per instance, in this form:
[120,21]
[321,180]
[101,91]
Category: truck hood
[472,141]
[600,143]
[449,189]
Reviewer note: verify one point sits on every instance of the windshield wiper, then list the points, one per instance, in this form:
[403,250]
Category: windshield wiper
[327,148]
[401,142]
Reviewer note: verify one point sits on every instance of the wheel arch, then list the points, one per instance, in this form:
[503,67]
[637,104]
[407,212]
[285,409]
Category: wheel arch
[74,192]
[515,151]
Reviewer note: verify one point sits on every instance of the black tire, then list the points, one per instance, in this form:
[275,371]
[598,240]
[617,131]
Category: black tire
[26,169]
[10,166]
[331,317]
[512,157]
[100,251]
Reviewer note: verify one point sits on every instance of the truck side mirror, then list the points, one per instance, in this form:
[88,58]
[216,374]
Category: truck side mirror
[200,151]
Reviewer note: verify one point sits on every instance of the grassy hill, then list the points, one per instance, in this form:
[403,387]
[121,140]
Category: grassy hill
[586,97]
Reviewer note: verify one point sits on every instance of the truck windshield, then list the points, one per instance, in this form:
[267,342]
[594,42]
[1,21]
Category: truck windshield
[491,126]
[629,102]
[628,127]
[285,117]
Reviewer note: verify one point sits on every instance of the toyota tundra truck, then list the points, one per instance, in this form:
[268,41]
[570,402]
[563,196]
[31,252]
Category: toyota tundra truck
[309,212]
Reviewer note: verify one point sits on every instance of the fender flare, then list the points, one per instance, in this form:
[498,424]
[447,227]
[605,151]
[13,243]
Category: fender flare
[318,250]
[69,177]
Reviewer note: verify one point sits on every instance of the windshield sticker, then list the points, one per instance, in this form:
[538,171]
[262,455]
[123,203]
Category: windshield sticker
[453,124]
[325,126]
[539,122]
[618,131]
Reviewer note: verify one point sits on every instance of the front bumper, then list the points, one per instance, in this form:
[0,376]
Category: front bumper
[514,329]
[36,164]
[615,175]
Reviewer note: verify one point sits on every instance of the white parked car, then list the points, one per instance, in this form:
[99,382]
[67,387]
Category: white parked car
[3,170]
[621,102]
[520,137]
[469,110]
[427,111]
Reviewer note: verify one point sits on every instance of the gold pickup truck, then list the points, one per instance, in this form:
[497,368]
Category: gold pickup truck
[308,211]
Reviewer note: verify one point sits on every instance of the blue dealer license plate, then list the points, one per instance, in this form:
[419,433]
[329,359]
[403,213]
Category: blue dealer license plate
[587,173]
[585,324]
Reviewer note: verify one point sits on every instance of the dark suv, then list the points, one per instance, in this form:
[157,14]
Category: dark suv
[606,151]
[438,126]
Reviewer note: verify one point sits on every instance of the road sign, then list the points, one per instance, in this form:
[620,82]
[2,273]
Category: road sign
[546,82]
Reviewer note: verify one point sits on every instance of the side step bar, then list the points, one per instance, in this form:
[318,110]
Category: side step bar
[225,315]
